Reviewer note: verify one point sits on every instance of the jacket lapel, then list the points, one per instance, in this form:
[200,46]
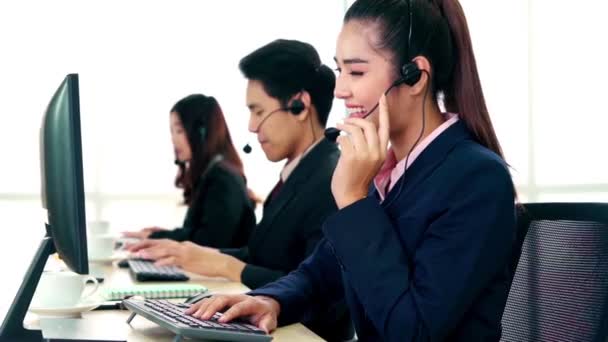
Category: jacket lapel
[291,188]
[428,160]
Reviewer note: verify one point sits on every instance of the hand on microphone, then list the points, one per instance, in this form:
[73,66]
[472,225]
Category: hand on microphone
[333,133]
[363,152]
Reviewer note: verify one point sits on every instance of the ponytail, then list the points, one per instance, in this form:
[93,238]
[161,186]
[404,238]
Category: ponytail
[463,94]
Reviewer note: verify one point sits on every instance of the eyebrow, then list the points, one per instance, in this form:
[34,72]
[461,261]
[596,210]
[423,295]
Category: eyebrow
[352,60]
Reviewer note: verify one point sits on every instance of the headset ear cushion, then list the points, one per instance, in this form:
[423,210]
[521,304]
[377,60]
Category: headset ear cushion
[296,107]
[203,133]
[410,73]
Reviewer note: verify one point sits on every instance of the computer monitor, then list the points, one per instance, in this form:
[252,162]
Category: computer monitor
[62,197]
[61,175]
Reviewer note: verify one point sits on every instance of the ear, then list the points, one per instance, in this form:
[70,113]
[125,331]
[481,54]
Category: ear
[425,66]
[303,96]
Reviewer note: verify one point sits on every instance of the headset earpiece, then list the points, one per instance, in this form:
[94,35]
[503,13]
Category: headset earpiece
[410,74]
[296,107]
[203,133]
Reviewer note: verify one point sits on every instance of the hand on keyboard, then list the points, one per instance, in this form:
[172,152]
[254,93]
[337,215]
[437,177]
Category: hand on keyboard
[172,316]
[142,233]
[188,256]
[259,310]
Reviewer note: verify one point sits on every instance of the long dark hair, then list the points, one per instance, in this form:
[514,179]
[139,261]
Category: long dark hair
[441,34]
[208,136]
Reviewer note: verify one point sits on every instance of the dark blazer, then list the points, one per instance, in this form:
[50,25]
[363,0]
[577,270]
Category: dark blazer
[432,266]
[221,214]
[290,230]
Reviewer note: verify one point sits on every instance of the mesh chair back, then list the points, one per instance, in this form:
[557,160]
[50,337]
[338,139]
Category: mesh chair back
[560,288]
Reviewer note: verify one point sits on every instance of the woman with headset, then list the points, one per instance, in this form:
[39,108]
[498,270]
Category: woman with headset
[220,211]
[424,254]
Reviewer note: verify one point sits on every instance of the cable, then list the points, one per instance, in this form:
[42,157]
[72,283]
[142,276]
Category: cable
[426,92]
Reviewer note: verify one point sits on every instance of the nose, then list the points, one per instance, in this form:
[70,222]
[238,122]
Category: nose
[253,124]
[341,91]
[174,140]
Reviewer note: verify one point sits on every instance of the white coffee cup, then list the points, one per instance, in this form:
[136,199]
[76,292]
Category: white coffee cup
[62,289]
[100,246]
[98,227]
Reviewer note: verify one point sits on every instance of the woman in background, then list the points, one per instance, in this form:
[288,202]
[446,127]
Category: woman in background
[220,211]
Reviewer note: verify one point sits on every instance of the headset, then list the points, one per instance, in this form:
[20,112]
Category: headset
[199,131]
[202,132]
[409,74]
[202,135]
[295,107]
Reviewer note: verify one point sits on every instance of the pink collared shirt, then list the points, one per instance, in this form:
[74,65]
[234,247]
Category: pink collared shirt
[391,170]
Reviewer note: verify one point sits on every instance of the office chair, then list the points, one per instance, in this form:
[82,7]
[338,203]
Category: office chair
[560,287]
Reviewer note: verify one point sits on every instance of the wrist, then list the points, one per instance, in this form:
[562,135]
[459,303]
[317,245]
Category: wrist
[233,268]
[274,304]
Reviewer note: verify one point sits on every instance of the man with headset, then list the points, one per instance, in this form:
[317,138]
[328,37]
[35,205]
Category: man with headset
[289,96]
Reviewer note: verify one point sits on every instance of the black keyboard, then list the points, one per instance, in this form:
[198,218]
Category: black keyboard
[171,316]
[145,270]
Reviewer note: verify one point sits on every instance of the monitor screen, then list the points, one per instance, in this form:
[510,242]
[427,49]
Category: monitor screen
[62,176]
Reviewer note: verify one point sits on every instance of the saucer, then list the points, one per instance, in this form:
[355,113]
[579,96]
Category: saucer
[108,259]
[73,311]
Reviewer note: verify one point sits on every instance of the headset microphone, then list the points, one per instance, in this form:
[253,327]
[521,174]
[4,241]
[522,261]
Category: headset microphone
[332,133]
[296,107]
[410,75]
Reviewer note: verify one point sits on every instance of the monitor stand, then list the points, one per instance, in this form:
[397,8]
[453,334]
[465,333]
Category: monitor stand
[12,328]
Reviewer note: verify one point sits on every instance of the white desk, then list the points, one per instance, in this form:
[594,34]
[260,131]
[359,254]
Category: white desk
[112,323]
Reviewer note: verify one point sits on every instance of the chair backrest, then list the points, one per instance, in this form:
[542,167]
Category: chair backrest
[560,287]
